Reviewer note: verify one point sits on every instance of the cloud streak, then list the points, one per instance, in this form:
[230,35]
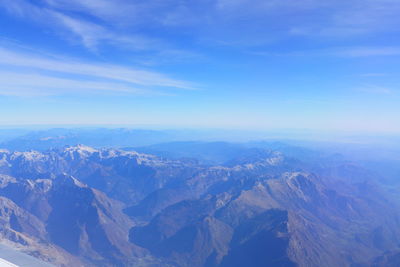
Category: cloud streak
[35,84]
[33,74]
[90,34]
[373,89]
[366,51]
[94,69]
[346,52]
[110,11]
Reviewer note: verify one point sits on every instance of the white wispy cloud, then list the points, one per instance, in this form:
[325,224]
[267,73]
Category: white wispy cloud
[374,89]
[35,74]
[36,84]
[117,11]
[331,20]
[346,19]
[347,52]
[374,74]
[95,69]
[365,51]
[91,35]
[88,33]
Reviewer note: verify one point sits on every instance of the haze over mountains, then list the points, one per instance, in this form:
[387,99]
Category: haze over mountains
[195,203]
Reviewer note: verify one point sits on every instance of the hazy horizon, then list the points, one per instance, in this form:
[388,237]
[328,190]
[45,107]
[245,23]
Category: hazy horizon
[215,134]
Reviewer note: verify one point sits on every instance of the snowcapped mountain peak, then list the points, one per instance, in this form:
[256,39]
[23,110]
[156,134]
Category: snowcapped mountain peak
[66,179]
[79,151]
[28,155]
[81,147]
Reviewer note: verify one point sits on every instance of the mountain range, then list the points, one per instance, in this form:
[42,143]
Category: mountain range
[196,204]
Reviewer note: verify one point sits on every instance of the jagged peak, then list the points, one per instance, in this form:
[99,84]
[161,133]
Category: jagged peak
[66,179]
[28,155]
[6,179]
[295,175]
[80,147]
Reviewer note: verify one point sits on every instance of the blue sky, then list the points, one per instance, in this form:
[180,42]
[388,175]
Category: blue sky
[278,64]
